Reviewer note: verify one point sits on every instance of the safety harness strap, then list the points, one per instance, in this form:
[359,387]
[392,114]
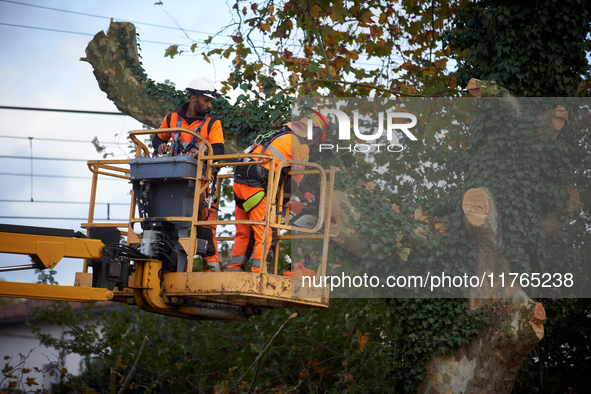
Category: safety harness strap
[268,138]
[254,175]
[251,202]
[177,145]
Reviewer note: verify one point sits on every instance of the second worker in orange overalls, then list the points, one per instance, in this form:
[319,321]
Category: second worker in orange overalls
[250,186]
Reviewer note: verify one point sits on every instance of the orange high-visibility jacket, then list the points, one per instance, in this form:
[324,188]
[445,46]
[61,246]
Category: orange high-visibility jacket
[211,130]
[283,147]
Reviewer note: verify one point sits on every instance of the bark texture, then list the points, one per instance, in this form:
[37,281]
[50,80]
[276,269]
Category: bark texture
[490,363]
[112,58]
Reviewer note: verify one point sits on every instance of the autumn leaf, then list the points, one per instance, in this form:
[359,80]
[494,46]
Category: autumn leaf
[429,71]
[332,71]
[399,238]
[338,13]
[396,208]
[206,58]
[171,51]
[323,371]
[403,253]
[440,227]
[231,371]
[31,382]
[442,63]
[408,65]
[366,17]
[352,55]
[265,26]
[294,78]
[120,364]
[370,186]
[375,32]
[418,213]
[363,340]
[221,388]
[315,11]
[420,233]
[303,373]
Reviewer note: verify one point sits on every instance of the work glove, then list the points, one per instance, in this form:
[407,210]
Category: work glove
[310,197]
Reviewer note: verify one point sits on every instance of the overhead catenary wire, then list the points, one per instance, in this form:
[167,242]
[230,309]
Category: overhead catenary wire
[31,157]
[76,32]
[67,202]
[62,110]
[183,30]
[57,140]
[73,111]
[42,158]
[187,45]
[88,178]
[179,28]
[62,218]
[102,17]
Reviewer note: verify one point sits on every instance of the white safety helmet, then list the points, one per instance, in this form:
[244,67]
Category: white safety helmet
[203,86]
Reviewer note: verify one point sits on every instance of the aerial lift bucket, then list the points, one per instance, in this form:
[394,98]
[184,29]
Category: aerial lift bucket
[153,269]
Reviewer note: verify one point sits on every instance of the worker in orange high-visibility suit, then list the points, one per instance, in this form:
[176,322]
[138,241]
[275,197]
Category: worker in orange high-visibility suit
[194,115]
[287,143]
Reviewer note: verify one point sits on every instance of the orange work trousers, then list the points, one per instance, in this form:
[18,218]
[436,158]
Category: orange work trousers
[243,231]
[212,263]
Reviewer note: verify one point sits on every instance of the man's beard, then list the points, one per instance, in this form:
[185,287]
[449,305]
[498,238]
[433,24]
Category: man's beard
[199,110]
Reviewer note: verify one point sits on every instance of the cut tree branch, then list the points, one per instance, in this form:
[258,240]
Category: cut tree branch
[112,61]
[136,365]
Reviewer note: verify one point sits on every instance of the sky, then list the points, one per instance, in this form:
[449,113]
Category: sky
[43,171]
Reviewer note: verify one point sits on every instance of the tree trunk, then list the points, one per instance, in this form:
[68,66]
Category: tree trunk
[490,363]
